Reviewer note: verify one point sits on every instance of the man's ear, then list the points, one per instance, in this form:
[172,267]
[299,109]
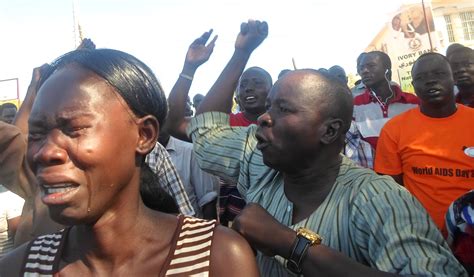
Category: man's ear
[333,130]
[149,130]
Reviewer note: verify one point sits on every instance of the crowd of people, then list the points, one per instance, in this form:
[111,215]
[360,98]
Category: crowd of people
[312,176]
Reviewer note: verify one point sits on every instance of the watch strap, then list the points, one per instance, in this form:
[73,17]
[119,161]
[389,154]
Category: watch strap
[298,252]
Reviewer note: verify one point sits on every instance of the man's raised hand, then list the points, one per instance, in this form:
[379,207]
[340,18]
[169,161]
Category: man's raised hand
[198,52]
[252,34]
[86,43]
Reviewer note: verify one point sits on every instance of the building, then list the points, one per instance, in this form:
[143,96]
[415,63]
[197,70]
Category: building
[455,21]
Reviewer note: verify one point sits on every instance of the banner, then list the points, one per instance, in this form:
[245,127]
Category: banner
[406,37]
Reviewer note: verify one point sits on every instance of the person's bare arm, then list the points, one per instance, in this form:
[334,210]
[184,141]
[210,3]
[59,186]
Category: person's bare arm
[14,171]
[21,118]
[198,53]
[231,255]
[219,97]
[13,225]
[86,43]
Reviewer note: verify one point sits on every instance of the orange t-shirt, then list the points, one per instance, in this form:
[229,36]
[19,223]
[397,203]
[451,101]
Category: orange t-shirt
[435,156]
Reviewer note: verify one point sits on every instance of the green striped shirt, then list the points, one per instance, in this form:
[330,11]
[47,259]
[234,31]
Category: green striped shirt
[367,217]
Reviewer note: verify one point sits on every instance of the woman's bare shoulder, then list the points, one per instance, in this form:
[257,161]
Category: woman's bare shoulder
[231,255]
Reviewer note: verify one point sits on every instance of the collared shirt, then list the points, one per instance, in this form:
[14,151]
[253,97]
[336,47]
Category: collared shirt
[160,162]
[357,149]
[370,115]
[201,187]
[358,89]
[366,217]
[231,202]
[239,119]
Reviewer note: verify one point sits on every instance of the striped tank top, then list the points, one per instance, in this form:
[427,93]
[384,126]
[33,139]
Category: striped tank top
[190,252]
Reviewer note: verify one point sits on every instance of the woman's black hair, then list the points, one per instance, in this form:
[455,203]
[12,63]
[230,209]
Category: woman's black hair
[132,79]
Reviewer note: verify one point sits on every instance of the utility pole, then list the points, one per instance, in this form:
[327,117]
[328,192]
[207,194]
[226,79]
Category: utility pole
[427,25]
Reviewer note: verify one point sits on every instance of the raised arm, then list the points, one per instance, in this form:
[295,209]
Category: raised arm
[86,43]
[21,118]
[219,98]
[198,53]
[14,171]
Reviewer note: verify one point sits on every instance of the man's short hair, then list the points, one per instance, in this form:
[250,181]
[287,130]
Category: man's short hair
[386,61]
[434,54]
[462,49]
[8,106]
[453,47]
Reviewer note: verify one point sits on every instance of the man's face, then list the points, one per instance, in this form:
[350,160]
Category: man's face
[433,81]
[253,90]
[289,131]
[371,70]
[8,114]
[462,65]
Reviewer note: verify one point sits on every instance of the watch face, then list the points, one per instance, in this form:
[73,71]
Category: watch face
[310,235]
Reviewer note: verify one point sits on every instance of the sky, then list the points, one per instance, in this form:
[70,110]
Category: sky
[316,33]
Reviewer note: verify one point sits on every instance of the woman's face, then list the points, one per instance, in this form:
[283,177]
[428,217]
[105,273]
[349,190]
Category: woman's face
[82,146]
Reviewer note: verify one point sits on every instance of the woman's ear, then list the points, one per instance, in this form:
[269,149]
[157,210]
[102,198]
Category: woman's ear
[149,129]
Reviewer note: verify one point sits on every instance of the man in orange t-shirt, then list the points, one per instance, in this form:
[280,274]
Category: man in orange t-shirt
[430,150]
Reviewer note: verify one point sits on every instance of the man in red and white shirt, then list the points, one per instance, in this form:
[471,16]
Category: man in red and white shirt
[380,101]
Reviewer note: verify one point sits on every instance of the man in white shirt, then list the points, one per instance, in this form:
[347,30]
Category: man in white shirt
[201,187]
[11,206]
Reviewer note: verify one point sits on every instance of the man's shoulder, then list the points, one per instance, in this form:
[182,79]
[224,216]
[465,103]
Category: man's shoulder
[10,198]
[364,182]
[363,98]
[181,144]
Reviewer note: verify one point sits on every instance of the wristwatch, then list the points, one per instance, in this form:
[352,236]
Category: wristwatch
[304,239]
